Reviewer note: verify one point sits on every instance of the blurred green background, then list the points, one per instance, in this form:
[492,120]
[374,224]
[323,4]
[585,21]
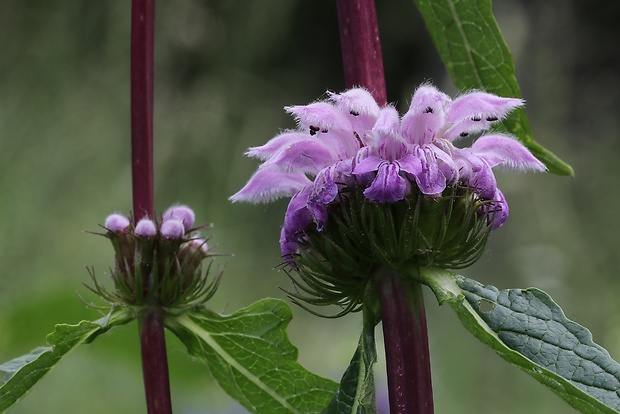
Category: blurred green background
[224,70]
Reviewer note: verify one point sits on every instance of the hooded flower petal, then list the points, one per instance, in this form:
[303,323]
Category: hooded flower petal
[505,151]
[359,106]
[426,115]
[274,145]
[476,112]
[483,105]
[343,144]
[357,100]
[268,184]
[319,116]
[388,122]
[427,96]
[307,156]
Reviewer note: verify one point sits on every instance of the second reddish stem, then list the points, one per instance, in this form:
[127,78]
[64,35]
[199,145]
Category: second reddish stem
[142,51]
[151,320]
[154,361]
[406,344]
[361,49]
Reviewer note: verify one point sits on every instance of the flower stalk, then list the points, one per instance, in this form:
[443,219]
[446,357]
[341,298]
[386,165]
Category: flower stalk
[154,361]
[361,49]
[406,343]
[142,49]
[151,321]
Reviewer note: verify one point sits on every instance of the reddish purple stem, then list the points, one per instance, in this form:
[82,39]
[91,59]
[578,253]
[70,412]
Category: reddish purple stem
[402,306]
[361,49]
[154,362]
[406,344]
[151,321]
[142,41]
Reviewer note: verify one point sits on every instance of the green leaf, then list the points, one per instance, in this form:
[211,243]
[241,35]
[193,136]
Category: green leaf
[22,373]
[476,56]
[251,357]
[356,393]
[529,330]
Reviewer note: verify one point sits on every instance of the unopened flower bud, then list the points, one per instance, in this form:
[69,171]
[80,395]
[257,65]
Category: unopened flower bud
[182,213]
[146,228]
[191,254]
[116,223]
[172,229]
[199,244]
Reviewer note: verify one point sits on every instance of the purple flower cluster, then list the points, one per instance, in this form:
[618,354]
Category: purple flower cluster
[348,141]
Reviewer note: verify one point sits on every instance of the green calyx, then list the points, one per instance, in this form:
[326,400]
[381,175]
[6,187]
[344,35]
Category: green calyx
[334,266]
[157,271]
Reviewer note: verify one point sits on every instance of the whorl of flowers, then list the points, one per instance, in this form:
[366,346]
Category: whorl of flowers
[157,261]
[347,142]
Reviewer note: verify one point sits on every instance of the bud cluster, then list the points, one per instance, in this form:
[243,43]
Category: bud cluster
[158,261]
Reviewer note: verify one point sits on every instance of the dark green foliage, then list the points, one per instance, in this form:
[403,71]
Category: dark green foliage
[529,330]
[24,372]
[476,56]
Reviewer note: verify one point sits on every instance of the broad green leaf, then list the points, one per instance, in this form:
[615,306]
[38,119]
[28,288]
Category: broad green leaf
[356,393]
[476,56]
[251,357]
[22,373]
[529,330]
